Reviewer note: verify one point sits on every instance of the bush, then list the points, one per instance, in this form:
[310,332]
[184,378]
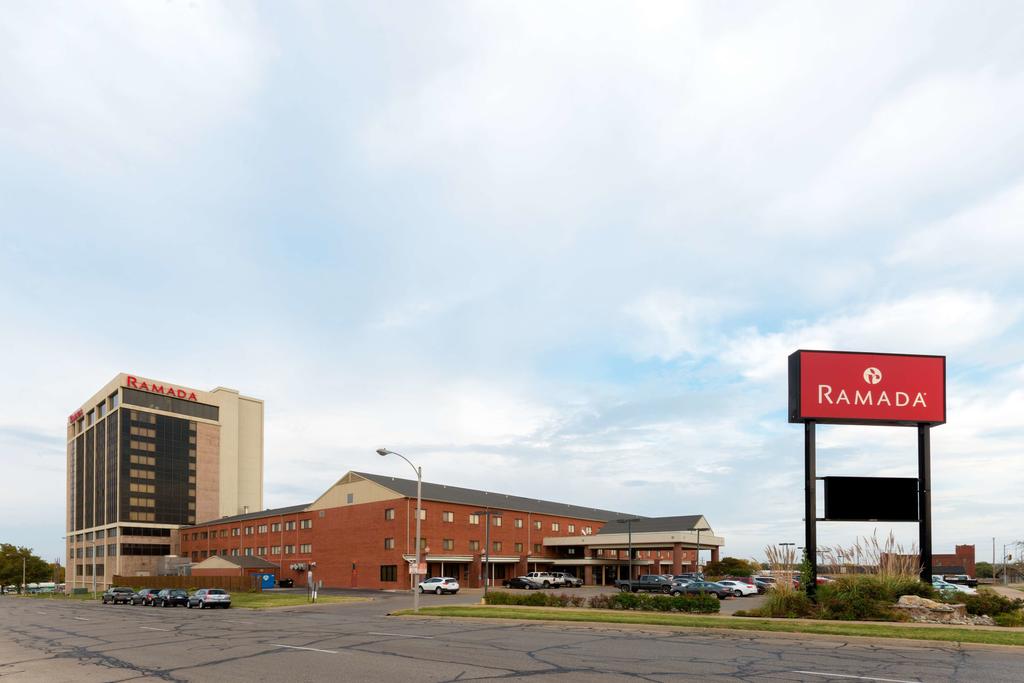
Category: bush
[1015,618]
[701,604]
[785,603]
[986,601]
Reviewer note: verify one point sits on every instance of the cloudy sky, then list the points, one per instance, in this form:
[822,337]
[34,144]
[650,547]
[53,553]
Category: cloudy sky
[552,249]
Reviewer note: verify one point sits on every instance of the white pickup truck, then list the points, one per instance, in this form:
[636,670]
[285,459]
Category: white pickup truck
[546,579]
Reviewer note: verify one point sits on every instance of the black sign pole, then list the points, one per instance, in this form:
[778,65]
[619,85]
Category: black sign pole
[810,508]
[924,499]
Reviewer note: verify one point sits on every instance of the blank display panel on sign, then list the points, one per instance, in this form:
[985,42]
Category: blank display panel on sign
[871,499]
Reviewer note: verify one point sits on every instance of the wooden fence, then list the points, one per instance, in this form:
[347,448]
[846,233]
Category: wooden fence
[229,583]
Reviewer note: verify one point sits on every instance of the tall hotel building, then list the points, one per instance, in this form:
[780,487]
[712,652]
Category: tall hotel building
[146,458]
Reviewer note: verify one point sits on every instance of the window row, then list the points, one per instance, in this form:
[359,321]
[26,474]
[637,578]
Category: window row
[448,516]
[474,545]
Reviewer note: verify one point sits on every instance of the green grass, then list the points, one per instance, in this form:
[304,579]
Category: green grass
[947,634]
[55,596]
[268,600]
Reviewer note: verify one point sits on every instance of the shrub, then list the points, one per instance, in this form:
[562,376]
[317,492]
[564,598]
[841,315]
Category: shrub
[702,604]
[867,598]
[601,601]
[986,601]
[1015,618]
[784,602]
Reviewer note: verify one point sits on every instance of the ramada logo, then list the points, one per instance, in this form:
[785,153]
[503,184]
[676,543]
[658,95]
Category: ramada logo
[872,376]
[155,388]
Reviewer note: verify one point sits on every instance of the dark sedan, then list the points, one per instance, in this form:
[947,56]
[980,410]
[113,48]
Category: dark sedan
[703,587]
[144,596]
[521,582]
[172,597]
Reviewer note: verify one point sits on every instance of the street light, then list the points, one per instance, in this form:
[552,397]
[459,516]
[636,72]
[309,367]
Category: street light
[419,488]
[629,540]
[487,545]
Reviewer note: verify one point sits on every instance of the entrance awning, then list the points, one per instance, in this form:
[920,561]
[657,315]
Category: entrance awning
[439,558]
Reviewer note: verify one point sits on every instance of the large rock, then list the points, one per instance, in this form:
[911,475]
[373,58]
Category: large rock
[929,611]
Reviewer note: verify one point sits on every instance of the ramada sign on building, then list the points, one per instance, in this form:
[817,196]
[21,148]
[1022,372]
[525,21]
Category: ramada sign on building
[841,387]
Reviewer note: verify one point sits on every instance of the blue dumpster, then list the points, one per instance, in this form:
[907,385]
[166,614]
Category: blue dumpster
[267,581]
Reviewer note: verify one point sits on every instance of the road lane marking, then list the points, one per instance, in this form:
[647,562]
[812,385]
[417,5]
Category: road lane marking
[398,635]
[311,649]
[859,678]
[235,621]
[80,618]
[153,628]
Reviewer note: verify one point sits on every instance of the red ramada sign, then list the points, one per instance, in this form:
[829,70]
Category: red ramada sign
[843,387]
[153,387]
[78,414]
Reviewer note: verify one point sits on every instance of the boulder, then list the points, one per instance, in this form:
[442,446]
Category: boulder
[928,611]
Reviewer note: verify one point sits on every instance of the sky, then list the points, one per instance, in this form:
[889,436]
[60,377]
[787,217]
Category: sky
[559,250]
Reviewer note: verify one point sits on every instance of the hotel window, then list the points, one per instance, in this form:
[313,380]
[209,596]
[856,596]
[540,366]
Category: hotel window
[102,409]
[423,543]
[536,525]
[306,524]
[587,530]
[235,531]
[223,533]
[262,528]
[474,518]
[350,498]
[289,526]
[115,400]
[423,513]
[519,547]
[275,550]
[448,544]
[536,548]
[248,552]
[306,548]
[570,551]
[234,552]
[495,520]
[388,572]
[572,528]
[389,544]
[289,550]
[555,526]
[474,545]
[447,516]
[518,523]
[497,546]
[262,550]
[389,513]
[248,531]
[90,418]
[276,526]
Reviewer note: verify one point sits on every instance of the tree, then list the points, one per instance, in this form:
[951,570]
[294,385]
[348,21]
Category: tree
[983,570]
[36,568]
[731,566]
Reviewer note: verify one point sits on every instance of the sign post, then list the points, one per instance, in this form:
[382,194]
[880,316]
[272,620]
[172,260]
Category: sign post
[851,388]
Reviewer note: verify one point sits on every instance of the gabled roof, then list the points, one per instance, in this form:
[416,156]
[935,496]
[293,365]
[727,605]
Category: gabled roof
[253,515]
[488,499]
[245,561]
[641,525]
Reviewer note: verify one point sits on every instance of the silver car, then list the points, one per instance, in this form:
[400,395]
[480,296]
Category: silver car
[568,580]
[209,597]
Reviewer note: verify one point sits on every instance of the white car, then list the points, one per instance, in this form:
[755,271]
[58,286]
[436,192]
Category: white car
[739,588]
[942,584]
[439,585]
[546,579]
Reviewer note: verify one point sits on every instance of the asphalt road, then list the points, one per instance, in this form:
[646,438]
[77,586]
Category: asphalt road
[43,640]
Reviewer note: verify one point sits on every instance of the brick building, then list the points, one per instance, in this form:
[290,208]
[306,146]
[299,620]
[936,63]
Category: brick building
[960,562]
[360,533]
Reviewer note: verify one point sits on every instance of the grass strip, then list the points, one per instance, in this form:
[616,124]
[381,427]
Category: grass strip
[55,596]
[945,634]
[269,600]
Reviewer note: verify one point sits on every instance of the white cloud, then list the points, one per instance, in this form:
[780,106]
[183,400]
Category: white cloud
[122,82]
[673,324]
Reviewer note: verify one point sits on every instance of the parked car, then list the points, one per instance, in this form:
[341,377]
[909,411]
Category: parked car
[764,583]
[545,579]
[144,596]
[689,576]
[209,597]
[439,585]
[704,587]
[739,588]
[521,582]
[117,594]
[171,597]
[568,580]
[944,587]
[285,583]
[652,583]
[960,580]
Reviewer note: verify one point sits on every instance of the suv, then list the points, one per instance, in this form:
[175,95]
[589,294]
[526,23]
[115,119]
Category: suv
[117,594]
[547,579]
[144,596]
[171,597]
[568,580]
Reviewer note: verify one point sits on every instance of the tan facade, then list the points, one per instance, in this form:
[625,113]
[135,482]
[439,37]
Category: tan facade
[146,457]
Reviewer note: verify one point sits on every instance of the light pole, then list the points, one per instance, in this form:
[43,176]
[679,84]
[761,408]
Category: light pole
[629,541]
[487,546]
[419,489]
[697,562]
